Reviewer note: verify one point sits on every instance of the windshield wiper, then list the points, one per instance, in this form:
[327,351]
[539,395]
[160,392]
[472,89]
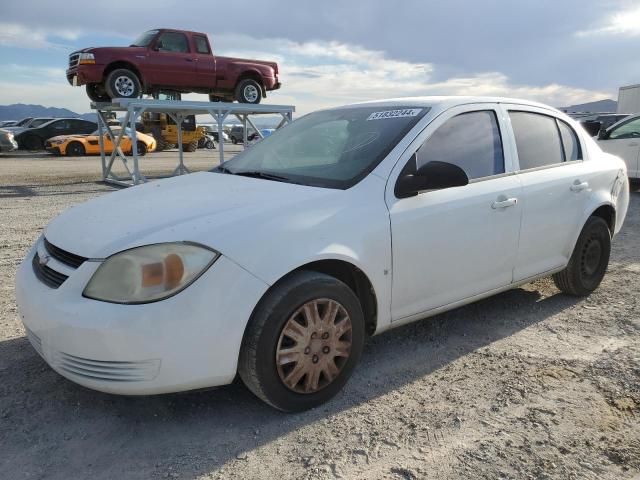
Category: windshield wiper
[259,174]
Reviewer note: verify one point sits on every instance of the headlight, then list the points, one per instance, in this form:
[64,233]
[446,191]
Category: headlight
[57,142]
[86,59]
[10,135]
[150,273]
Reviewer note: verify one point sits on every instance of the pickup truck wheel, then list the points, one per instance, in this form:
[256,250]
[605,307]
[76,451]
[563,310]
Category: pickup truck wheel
[248,91]
[75,149]
[97,93]
[303,341]
[589,260]
[122,83]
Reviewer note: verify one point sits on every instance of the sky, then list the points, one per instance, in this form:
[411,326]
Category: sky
[559,52]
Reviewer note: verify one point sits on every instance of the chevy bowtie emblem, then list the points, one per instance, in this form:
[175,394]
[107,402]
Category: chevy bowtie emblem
[43,260]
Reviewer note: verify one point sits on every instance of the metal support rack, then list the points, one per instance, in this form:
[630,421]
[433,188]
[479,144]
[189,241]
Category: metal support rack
[177,110]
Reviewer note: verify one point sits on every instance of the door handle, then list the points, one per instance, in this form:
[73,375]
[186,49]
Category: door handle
[579,186]
[188,59]
[503,202]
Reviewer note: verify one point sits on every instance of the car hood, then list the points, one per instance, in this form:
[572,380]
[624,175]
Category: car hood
[224,212]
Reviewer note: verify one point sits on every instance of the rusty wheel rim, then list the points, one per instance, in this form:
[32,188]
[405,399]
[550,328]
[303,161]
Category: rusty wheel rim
[314,346]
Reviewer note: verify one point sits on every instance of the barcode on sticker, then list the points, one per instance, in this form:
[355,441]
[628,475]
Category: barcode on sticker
[404,112]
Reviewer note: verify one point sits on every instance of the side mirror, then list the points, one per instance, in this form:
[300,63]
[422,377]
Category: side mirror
[430,176]
[602,133]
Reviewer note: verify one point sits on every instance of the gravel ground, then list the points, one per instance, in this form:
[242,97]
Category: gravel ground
[528,384]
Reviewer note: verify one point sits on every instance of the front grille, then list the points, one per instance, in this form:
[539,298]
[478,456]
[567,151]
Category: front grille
[63,256]
[107,370]
[73,60]
[48,276]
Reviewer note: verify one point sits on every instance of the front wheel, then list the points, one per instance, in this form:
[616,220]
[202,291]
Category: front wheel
[75,149]
[589,260]
[248,91]
[142,148]
[302,342]
[123,83]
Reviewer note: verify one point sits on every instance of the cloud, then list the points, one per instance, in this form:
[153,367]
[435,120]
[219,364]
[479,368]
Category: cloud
[21,36]
[624,23]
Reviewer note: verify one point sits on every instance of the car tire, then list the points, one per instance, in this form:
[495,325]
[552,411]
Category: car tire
[75,149]
[248,91]
[97,93]
[209,145]
[271,361]
[589,260]
[123,83]
[234,140]
[32,142]
[142,149]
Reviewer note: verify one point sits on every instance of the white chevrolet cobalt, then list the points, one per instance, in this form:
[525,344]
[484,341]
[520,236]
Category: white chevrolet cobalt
[350,221]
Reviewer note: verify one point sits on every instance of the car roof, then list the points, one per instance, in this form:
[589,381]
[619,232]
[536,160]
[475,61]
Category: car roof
[446,102]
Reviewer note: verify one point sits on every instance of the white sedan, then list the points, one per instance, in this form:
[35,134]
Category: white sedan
[348,222]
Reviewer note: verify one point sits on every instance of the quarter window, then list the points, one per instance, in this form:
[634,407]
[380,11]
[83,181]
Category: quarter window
[569,142]
[470,140]
[173,42]
[537,139]
[201,44]
[628,130]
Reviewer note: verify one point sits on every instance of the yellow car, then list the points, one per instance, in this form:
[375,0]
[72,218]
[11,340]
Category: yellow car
[78,145]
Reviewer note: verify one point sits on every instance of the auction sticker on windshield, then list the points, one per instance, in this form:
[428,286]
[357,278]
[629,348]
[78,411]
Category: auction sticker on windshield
[405,112]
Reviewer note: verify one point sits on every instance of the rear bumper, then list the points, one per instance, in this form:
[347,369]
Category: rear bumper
[85,74]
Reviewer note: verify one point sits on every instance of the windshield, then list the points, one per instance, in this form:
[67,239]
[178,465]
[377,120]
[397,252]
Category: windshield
[331,148]
[145,39]
[23,122]
[114,130]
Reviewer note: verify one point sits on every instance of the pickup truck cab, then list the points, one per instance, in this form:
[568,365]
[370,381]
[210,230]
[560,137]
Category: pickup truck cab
[170,60]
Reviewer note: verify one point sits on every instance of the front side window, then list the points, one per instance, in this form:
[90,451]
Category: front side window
[627,130]
[201,44]
[331,148]
[537,139]
[60,125]
[173,42]
[39,122]
[471,141]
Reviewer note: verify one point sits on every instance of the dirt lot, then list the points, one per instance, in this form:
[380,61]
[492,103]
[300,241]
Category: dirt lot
[528,384]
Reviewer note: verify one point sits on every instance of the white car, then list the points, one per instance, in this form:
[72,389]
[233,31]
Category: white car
[343,224]
[623,139]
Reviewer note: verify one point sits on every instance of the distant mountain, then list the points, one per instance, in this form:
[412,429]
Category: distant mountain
[600,106]
[21,110]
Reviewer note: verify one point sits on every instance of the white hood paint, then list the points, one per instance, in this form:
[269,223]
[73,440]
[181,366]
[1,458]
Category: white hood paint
[245,219]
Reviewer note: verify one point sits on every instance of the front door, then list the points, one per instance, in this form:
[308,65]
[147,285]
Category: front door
[170,60]
[624,142]
[456,243]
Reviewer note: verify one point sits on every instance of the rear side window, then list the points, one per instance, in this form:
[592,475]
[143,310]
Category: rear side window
[201,44]
[173,42]
[569,142]
[630,129]
[470,140]
[537,139]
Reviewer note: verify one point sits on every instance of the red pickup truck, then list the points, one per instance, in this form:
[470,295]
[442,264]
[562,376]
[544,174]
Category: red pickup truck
[166,60]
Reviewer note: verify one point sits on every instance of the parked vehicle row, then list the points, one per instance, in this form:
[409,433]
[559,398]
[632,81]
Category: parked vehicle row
[375,214]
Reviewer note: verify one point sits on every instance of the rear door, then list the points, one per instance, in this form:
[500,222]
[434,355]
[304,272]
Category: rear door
[170,60]
[624,142]
[455,243]
[555,187]
[205,62]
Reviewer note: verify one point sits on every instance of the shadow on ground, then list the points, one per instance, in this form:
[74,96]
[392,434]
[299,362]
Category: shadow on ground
[57,429]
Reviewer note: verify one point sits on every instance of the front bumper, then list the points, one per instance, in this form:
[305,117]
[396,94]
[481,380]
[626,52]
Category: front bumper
[191,340]
[85,74]
[8,144]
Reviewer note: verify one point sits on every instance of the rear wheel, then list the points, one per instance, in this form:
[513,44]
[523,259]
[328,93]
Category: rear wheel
[75,149]
[589,260]
[248,91]
[302,342]
[123,83]
[97,93]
